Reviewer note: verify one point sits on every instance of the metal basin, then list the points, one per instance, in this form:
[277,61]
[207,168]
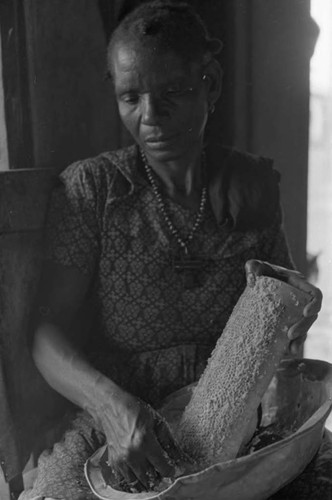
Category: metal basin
[298,400]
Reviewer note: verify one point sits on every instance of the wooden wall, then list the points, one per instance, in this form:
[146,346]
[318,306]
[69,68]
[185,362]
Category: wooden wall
[273,44]
[73,111]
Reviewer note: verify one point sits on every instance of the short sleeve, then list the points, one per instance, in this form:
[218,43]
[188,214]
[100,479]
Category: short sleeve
[72,233]
[274,246]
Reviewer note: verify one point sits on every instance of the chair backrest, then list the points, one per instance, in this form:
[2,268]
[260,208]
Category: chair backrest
[27,405]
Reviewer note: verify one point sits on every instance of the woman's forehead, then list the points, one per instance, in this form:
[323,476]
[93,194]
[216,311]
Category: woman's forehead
[134,60]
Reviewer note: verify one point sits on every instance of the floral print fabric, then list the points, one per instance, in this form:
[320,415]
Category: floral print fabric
[104,220]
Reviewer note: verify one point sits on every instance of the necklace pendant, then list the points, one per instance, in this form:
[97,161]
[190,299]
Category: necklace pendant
[188,264]
[189,280]
[188,269]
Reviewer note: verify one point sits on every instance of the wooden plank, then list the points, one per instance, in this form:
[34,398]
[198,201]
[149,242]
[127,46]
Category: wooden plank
[8,438]
[20,266]
[32,406]
[28,405]
[24,196]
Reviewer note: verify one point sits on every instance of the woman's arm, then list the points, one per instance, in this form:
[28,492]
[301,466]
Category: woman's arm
[136,434]
[57,346]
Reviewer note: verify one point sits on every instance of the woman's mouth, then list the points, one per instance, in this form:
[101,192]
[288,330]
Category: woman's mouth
[159,141]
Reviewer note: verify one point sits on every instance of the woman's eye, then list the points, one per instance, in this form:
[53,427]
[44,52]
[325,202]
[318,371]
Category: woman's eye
[173,90]
[178,91]
[130,98]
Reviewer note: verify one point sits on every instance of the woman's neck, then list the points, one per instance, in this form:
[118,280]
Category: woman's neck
[180,177]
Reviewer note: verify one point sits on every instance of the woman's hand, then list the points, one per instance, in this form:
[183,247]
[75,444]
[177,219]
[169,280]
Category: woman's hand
[141,448]
[298,332]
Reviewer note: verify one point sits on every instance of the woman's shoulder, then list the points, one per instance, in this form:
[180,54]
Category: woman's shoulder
[247,172]
[241,163]
[247,187]
[104,165]
[109,171]
[253,190]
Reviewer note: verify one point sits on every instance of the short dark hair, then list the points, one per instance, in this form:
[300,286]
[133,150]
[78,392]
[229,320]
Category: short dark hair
[169,25]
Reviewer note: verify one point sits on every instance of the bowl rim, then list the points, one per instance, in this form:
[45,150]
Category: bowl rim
[316,421]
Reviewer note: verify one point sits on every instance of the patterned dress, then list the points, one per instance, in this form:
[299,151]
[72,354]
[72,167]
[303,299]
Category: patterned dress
[152,332]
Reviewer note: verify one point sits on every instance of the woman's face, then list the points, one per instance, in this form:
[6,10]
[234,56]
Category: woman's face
[163,101]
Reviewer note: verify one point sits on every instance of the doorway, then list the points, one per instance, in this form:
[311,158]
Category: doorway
[319,235]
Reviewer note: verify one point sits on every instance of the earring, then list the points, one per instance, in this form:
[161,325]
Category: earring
[212,108]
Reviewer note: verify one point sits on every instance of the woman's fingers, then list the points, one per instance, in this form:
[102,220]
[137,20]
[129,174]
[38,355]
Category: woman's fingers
[133,473]
[296,345]
[145,476]
[130,478]
[159,458]
[301,328]
[121,474]
[143,468]
[167,441]
[314,306]
[254,268]
[162,453]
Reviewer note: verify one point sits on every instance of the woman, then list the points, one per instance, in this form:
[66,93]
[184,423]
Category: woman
[158,235]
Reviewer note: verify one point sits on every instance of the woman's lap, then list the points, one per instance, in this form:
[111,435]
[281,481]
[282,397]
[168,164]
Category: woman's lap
[315,482]
[61,470]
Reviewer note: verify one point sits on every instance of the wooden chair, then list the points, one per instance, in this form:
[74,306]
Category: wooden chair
[28,407]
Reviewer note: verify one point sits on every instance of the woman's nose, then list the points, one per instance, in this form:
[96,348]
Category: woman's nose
[153,109]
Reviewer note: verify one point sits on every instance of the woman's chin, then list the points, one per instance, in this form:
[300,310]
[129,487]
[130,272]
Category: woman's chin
[168,151]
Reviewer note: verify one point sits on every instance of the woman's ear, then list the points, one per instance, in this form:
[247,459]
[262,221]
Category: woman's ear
[213,77]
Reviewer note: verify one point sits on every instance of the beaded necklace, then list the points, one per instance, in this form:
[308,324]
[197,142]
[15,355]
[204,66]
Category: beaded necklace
[184,263]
